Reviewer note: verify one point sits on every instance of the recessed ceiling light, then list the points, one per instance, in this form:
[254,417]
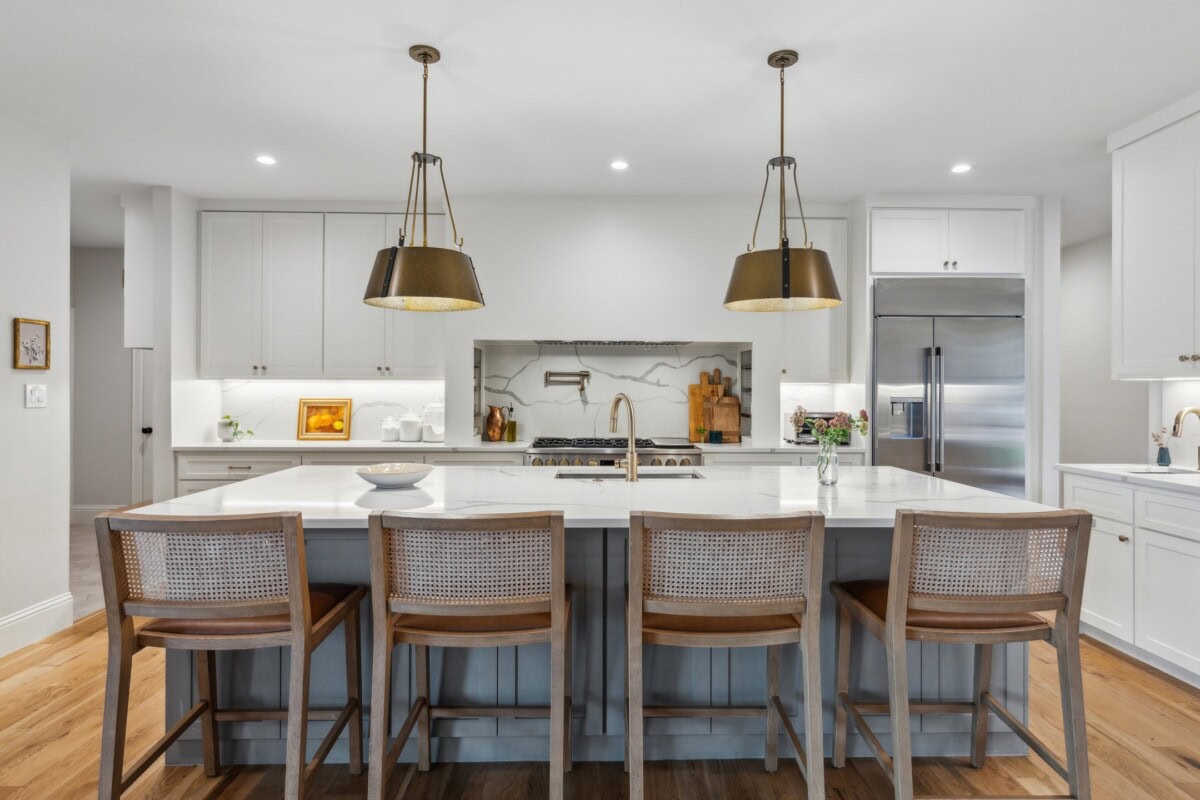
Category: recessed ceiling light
[620,165]
[959,169]
[266,159]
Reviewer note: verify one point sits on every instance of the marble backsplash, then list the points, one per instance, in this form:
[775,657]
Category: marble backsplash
[269,408]
[655,376]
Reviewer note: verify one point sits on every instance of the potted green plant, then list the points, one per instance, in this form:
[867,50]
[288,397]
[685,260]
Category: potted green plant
[230,430]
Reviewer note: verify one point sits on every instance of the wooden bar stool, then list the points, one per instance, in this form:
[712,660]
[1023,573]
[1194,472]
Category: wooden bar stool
[714,581]
[220,583]
[970,579]
[466,581]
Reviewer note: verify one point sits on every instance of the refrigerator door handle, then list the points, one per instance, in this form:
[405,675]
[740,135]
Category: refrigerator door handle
[930,417]
[940,362]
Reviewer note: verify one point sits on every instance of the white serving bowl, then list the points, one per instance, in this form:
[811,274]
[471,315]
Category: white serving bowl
[394,476]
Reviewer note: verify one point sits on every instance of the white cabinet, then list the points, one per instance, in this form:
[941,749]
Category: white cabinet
[1108,584]
[362,341]
[949,241]
[1168,594]
[1154,285]
[260,314]
[815,344]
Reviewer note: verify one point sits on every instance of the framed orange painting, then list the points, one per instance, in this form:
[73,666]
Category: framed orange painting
[323,418]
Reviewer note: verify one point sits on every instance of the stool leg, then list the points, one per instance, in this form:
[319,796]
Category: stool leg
[814,736]
[842,687]
[567,754]
[206,684]
[381,700]
[771,749]
[558,697]
[297,723]
[634,725]
[354,691]
[421,655]
[979,718]
[116,710]
[897,664]
[1070,679]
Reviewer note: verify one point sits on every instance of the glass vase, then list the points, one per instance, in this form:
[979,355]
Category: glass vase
[827,463]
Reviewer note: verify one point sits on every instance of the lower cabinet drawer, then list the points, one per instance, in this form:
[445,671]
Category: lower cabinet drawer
[184,488]
[361,459]
[1167,513]
[231,467]
[844,459]
[1104,498]
[1167,596]
[1108,583]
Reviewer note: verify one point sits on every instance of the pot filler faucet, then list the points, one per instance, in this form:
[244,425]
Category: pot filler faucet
[631,456]
[1177,428]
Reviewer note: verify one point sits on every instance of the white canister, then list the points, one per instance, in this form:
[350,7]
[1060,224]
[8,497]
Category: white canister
[389,430]
[433,422]
[410,428]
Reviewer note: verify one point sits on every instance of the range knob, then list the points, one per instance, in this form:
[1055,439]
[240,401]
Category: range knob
[593,462]
[578,462]
[671,462]
[549,462]
[685,462]
[657,462]
[564,462]
[537,462]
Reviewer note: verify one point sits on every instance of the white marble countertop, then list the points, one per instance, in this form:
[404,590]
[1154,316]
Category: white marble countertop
[350,445]
[334,497]
[1177,479]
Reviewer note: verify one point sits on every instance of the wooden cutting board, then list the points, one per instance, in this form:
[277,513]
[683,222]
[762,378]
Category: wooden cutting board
[724,414]
[698,393]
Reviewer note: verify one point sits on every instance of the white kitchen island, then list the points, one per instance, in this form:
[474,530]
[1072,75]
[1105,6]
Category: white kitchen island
[859,516]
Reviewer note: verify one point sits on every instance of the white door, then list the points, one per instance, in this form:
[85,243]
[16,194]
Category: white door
[415,337]
[814,343]
[292,259]
[1154,248]
[230,294]
[1167,585]
[991,241]
[1108,585]
[355,333]
[909,240]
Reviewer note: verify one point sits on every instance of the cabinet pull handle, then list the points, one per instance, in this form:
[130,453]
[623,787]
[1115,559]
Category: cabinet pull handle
[1195,356]
[379,369]
[954,265]
[1122,538]
[234,466]
[945,265]
[1181,358]
[264,369]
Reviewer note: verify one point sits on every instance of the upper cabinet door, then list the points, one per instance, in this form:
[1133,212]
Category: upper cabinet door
[1154,254]
[415,337]
[355,333]
[815,343]
[909,240]
[230,294]
[990,241]
[292,260]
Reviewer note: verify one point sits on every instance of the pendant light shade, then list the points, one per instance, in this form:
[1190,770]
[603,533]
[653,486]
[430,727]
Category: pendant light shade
[786,278]
[420,277]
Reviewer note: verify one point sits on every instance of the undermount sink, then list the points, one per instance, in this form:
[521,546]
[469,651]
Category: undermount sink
[619,475]
[1162,471]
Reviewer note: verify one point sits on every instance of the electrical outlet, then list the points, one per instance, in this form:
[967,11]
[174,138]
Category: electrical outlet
[35,395]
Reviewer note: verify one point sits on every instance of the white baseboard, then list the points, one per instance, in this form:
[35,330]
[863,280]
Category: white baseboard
[36,622]
[83,515]
[1133,651]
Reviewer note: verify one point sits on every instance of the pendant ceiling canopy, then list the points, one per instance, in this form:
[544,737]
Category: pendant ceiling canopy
[421,277]
[786,278]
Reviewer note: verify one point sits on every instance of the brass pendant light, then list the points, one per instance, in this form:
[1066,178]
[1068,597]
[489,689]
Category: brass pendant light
[787,278]
[420,277]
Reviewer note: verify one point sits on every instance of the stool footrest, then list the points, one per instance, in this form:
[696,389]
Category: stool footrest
[881,755]
[485,712]
[274,714]
[704,711]
[801,755]
[1026,735]
[162,744]
[327,743]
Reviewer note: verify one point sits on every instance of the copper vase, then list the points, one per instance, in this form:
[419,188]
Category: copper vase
[494,429]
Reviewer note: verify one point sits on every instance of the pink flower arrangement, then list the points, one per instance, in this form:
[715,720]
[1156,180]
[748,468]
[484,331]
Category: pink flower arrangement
[837,429]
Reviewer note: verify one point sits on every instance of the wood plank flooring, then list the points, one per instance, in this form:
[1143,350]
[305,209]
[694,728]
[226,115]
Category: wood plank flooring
[1143,731]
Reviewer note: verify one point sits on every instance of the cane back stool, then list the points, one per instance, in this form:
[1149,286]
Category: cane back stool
[719,581]
[978,579]
[492,580]
[220,583]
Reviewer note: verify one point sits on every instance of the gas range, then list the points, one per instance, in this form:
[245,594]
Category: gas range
[548,451]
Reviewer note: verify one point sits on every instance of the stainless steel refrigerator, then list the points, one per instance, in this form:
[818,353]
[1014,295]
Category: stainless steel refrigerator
[949,379]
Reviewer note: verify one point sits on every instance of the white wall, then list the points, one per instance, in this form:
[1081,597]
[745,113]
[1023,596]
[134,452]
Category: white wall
[101,425]
[1102,420]
[35,491]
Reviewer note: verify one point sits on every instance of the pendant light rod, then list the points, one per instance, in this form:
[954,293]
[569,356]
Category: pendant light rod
[425,147]
[783,237]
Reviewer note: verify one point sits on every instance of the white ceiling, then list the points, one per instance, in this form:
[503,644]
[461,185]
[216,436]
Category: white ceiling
[538,96]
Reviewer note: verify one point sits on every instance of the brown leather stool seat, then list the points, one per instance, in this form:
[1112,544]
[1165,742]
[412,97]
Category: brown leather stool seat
[322,597]
[873,595]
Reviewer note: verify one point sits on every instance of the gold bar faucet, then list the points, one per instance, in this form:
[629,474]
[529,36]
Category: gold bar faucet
[631,456]
[1177,428]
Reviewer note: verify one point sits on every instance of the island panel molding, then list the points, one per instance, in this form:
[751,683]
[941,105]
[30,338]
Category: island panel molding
[859,512]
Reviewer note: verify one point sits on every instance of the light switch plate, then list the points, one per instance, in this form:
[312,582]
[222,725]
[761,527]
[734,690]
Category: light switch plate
[35,395]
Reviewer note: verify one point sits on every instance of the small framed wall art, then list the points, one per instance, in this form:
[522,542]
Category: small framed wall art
[31,344]
[323,418]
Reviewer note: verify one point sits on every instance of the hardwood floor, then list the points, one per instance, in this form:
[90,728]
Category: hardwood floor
[1143,731]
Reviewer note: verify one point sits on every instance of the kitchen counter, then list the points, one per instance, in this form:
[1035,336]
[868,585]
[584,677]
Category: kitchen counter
[352,445]
[1178,479]
[860,513]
